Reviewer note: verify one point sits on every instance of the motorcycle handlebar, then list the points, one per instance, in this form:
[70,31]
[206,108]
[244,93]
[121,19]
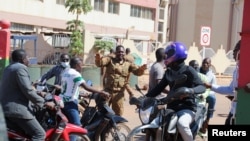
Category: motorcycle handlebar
[144,102]
[134,101]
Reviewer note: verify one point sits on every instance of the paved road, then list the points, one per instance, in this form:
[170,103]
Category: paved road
[221,109]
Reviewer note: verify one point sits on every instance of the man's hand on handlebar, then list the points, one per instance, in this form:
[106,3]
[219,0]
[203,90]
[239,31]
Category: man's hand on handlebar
[57,87]
[85,94]
[42,94]
[51,105]
[35,83]
[105,95]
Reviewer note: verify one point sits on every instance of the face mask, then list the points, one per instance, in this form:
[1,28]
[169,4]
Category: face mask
[65,64]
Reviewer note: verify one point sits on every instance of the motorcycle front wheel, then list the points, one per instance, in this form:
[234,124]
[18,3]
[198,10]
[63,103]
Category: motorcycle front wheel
[79,137]
[119,133]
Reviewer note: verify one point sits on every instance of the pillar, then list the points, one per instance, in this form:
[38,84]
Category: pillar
[4,44]
[243,103]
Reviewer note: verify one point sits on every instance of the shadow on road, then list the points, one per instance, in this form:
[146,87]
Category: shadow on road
[222,115]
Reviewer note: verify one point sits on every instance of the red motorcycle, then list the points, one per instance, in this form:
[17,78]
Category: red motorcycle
[54,122]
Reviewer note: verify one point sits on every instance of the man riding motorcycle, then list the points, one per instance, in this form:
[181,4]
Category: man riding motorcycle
[16,95]
[185,107]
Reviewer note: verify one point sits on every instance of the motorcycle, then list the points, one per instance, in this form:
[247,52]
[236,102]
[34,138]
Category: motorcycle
[54,123]
[159,122]
[101,122]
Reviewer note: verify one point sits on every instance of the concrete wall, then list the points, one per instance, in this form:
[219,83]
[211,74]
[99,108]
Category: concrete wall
[223,16]
[88,72]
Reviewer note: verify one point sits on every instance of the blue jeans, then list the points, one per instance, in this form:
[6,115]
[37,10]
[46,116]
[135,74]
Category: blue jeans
[211,100]
[71,111]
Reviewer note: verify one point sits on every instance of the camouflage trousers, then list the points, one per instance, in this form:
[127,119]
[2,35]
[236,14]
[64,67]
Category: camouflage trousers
[117,101]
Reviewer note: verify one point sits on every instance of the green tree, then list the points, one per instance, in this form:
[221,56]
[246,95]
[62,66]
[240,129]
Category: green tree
[102,45]
[76,26]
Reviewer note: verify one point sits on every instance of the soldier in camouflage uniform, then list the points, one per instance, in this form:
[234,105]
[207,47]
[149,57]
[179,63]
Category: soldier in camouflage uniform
[117,71]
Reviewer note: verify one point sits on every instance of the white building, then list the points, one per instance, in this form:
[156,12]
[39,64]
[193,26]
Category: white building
[138,20]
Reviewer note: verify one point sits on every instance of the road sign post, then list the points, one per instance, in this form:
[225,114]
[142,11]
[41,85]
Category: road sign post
[205,38]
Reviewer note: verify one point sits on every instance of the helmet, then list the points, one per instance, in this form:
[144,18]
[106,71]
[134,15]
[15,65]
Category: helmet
[174,52]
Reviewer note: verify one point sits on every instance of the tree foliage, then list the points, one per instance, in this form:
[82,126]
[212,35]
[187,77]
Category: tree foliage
[76,26]
[78,6]
[102,45]
[71,25]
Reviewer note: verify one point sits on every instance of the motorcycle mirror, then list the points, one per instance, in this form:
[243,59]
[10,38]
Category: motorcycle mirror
[138,89]
[134,101]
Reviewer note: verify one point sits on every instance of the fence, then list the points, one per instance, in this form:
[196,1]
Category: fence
[222,61]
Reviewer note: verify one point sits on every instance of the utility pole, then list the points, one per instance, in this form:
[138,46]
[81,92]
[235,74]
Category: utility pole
[4,61]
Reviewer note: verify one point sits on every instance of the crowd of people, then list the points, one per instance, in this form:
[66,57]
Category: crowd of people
[116,69]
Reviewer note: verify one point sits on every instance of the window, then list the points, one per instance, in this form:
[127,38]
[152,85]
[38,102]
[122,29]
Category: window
[61,2]
[60,40]
[135,11]
[21,27]
[16,43]
[160,37]
[113,7]
[141,12]
[161,14]
[99,5]
[160,26]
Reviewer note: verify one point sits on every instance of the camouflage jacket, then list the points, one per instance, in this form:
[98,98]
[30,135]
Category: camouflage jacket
[129,58]
[117,73]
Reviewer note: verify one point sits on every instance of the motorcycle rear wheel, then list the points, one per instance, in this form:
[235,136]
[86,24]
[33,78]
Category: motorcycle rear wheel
[113,135]
[80,137]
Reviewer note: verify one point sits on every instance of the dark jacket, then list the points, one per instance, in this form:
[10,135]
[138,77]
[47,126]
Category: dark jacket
[193,81]
[16,92]
[56,72]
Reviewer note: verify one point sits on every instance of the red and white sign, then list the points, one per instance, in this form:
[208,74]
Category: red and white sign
[205,35]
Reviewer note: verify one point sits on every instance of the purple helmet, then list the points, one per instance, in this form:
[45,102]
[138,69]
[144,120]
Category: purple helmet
[174,52]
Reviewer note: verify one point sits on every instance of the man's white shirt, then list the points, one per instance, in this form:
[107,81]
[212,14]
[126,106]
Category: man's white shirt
[71,79]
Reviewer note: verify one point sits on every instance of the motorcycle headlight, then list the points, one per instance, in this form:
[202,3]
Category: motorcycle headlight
[145,114]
